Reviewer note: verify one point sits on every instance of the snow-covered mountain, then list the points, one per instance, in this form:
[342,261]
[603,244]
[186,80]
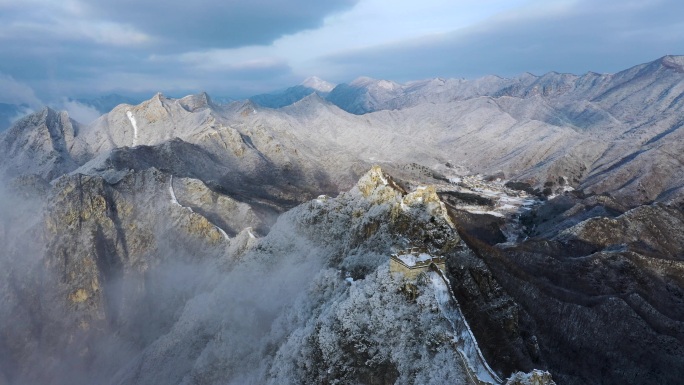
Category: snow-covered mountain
[537,129]
[311,85]
[191,242]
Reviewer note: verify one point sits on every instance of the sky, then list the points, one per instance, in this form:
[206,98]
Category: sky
[53,49]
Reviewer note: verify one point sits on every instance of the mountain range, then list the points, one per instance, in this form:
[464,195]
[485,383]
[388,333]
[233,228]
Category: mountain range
[188,241]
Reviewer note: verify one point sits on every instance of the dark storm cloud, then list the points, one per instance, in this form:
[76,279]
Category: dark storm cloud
[585,36]
[184,25]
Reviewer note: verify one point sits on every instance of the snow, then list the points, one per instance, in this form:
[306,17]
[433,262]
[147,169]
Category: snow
[411,259]
[511,200]
[489,212]
[387,85]
[131,118]
[318,84]
[383,179]
[505,202]
[251,235]
[563,190]
[536,376]
[172,193]
[220,230]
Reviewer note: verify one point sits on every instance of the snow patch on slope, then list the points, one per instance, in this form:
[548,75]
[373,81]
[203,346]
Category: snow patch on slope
[174,200]
[225,236]
[131,118]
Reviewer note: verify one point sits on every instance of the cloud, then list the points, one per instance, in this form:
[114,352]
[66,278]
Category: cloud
[74,47]
[78,111]
[25,100]
[185,25]
[14,92]
[230,48]
[576,36]
[20,113]
[169,25]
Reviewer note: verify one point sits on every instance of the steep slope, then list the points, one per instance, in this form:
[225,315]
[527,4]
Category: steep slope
[599,302]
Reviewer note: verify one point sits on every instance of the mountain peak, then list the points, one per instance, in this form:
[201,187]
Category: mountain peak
[313,99]
[673,62]
[377,183]
[248,108]
[196,102]
[368,82]
[362,81]
[39,143]
[318,84]
[50,116]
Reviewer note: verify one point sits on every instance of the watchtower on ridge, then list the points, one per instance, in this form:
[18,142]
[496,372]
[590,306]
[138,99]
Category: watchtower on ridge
[411,262]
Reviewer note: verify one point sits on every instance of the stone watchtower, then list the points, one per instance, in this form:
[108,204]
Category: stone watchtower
[412,262]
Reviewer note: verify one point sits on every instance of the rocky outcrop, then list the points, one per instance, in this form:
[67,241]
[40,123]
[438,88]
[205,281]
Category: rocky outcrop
[536,377]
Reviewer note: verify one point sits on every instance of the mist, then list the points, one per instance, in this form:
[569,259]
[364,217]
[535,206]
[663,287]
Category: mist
[199,308]
[21,248]
[78,111]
